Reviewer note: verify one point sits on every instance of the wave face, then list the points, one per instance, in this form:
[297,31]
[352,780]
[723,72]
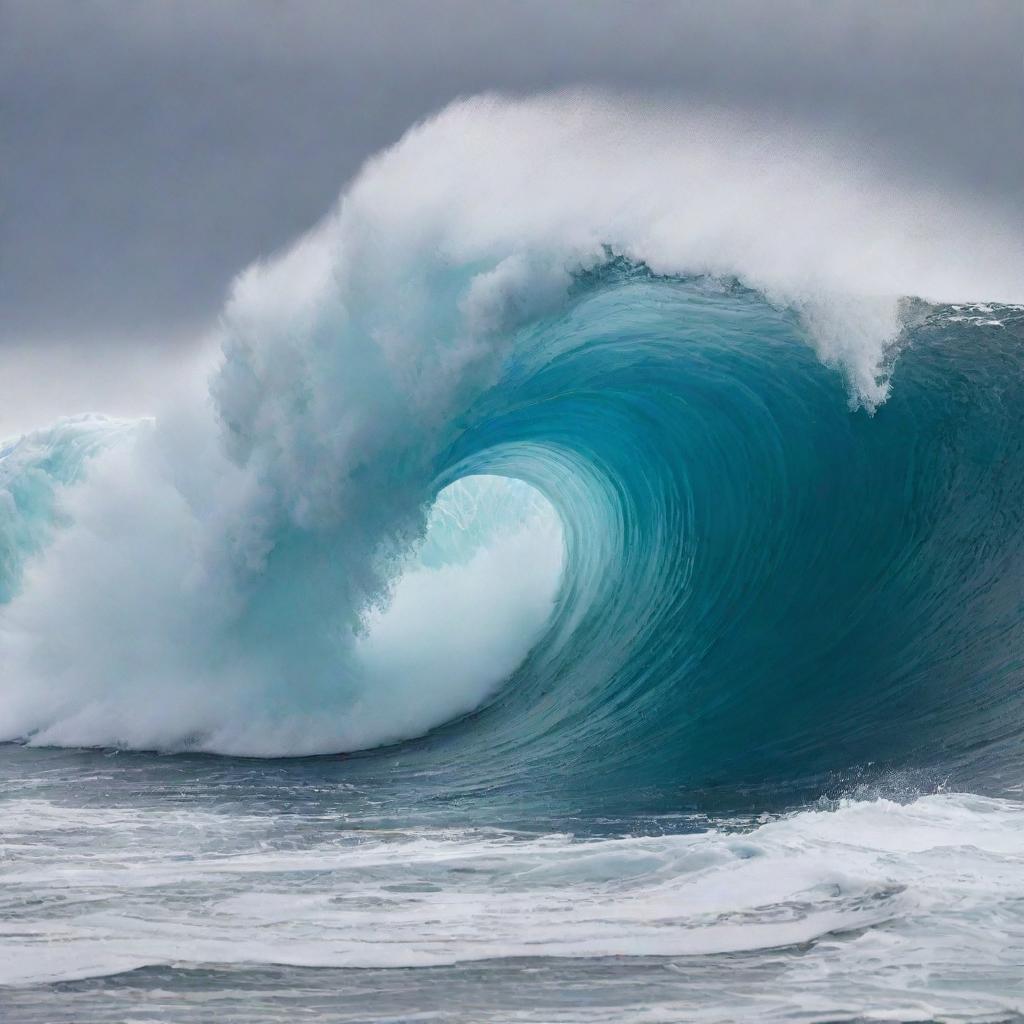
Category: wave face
[626,469]
[761,583]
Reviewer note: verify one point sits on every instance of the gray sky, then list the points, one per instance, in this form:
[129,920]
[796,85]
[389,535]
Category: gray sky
[149,149]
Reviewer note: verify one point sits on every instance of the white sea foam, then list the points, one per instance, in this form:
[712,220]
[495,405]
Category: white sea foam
[896,901]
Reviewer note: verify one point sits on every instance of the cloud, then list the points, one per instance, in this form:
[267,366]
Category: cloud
[151,151]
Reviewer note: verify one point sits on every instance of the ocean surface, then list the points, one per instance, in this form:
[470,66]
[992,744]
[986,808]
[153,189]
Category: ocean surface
[188,888]
[587,585]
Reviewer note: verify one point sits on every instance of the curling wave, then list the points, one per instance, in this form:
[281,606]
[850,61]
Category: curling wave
[618,431]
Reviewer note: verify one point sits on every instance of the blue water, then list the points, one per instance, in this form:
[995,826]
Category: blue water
[762,586]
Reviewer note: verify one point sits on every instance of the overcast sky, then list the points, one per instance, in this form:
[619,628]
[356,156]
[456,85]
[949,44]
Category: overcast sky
[149,149]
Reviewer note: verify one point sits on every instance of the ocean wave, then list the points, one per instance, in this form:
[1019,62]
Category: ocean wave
[765,515]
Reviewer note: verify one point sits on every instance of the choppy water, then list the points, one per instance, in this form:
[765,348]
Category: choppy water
[183,889]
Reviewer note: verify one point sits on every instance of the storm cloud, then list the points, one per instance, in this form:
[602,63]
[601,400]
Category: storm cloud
[151,150]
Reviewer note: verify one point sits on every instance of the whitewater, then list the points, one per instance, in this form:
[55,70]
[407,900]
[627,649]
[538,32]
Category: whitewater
[588,565]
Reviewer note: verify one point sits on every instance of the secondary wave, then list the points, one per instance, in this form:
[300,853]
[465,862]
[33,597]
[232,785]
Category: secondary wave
[764,515]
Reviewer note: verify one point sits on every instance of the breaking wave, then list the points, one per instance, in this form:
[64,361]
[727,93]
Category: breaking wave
[648,438]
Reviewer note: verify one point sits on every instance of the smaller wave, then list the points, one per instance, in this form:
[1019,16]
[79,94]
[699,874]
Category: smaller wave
[33,469]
